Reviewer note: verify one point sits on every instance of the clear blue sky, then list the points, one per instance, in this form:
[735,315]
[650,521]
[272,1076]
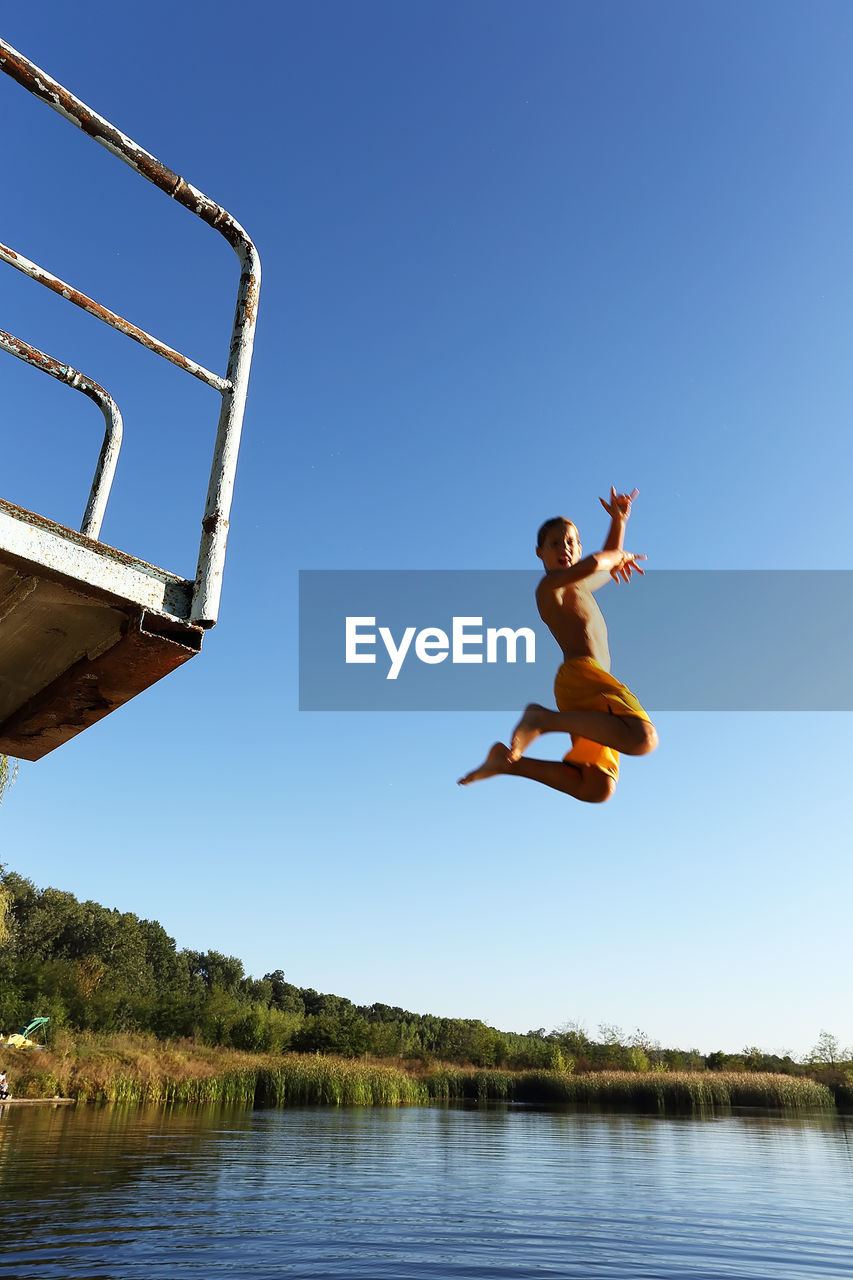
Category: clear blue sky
[512,254]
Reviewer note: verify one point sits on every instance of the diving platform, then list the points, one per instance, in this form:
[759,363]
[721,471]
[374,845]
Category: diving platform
[85,627]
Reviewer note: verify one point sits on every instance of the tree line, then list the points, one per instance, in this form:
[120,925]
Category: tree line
[91,968]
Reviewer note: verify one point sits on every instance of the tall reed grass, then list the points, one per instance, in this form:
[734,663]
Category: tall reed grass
[676,1091]
[140,1069]
[665,1093]
[299,1080]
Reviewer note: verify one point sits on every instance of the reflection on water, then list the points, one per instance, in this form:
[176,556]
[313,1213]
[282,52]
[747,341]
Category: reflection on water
[127,1194]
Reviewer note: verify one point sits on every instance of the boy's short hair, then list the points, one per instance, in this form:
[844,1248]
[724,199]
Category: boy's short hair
[552,524]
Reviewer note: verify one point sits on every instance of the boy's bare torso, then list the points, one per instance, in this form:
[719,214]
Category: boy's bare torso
[574,619]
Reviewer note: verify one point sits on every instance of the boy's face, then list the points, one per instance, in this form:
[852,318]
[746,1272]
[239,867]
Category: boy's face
[561,547]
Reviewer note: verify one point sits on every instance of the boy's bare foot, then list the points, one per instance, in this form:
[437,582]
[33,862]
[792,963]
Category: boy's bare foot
[528,729]
[494,763]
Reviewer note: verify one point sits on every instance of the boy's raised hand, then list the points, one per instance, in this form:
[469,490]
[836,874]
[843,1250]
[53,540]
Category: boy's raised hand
[619,506]
[628,564]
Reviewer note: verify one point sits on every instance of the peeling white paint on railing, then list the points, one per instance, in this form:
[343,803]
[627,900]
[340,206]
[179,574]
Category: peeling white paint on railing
[205,604]
[50,281]
[105,470]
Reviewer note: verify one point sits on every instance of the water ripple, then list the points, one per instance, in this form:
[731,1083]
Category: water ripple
[112,1194]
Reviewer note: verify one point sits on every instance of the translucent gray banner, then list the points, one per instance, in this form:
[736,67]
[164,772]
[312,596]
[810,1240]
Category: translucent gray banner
[471,640]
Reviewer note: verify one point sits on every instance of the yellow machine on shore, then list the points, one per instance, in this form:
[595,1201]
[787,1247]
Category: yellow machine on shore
[21,1039]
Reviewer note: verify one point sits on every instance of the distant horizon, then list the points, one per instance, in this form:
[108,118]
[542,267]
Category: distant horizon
[607,1031]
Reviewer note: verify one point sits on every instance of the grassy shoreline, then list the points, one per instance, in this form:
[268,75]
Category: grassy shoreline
[142,1070]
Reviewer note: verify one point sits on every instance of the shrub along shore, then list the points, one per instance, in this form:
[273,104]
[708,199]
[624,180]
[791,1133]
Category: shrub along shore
[139,1069]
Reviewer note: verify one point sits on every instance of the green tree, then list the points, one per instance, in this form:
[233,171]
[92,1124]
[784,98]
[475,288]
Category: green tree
[637,1058]
[5,911]
[216,970]
[827,1052]
[573,1039]
[284,996]
[8,774]
[611,1049]
[559,1061]
[250,1032]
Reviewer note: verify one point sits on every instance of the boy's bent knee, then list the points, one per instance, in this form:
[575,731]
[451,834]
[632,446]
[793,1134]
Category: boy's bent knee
[599,786]
[645,738]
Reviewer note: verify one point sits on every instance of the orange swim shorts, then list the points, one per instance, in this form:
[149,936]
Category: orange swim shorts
[583,685]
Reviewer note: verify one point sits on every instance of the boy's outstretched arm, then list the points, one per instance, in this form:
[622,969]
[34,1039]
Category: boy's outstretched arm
[595,570]
[619,509]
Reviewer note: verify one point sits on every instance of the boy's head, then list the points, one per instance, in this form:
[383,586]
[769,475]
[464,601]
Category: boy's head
[558,543]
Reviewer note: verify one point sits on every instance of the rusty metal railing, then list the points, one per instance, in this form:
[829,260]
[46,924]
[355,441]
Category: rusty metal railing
[105,469]
[67,291]
[233,387]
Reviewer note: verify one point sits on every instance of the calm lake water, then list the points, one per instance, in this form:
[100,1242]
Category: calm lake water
[409,1193]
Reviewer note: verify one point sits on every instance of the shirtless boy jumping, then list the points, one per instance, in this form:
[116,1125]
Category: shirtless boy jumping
[601,714]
